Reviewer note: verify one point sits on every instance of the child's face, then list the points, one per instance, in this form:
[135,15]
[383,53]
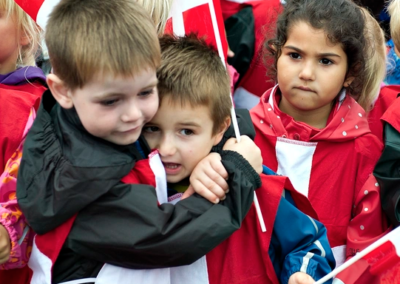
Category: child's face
[311,70]
[116,108]
[9,43]
[183,137]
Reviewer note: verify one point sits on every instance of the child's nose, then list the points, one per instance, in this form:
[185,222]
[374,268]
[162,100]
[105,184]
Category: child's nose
[131,113]
[167,147]
[307,72]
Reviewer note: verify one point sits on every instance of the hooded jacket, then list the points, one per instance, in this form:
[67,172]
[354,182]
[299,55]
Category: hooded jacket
[65,170]
[331,166]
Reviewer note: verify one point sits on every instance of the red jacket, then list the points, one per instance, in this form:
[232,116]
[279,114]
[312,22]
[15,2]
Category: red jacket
[242,258]
[331,166]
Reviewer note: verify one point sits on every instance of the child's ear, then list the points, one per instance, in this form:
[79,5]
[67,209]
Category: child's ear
[24,39]
[220,134]
[348,81]
[60,91]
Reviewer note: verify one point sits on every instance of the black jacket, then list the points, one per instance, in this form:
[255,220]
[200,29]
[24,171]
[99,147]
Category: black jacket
[387,172]
[65,170]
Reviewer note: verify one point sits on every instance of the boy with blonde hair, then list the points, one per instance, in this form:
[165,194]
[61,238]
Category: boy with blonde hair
[192,120]
[103,90]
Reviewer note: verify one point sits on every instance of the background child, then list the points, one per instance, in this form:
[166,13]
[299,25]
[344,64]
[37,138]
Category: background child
[103,90]
[193,116]
[21,85]
[311,130]
[159,12]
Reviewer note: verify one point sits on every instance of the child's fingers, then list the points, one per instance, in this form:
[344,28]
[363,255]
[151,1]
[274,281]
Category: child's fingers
[189,192]
[219,168]
[213,182]
[203,191]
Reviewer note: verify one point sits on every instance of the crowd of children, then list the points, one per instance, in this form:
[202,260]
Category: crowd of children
[122,166]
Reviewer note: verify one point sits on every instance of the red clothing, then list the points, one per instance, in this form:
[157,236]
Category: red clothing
[15,108]
[387,96]
[242,258]
[392,114]
[255,82]
[331,166]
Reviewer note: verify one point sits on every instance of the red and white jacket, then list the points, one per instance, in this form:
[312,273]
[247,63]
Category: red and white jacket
[242,258]
[331,166]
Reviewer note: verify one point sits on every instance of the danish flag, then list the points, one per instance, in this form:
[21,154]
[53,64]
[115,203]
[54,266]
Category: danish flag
[203,17]
[39,10]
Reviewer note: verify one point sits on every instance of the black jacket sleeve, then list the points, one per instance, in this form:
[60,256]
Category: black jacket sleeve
[127,228]
[387,172]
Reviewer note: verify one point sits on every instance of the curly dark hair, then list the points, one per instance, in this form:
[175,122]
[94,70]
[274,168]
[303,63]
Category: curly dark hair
[342,21]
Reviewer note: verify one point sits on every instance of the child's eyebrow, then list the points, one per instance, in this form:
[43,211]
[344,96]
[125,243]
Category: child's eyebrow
[151,85]
[189,123]
[327,54]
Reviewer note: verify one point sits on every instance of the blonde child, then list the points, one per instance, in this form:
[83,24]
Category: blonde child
[159,12]
[309,127]
[21,85]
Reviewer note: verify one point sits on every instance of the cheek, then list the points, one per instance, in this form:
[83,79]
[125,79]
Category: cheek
[150,108]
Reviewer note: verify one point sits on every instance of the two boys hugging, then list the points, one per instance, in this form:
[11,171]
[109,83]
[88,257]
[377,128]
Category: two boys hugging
[83,182]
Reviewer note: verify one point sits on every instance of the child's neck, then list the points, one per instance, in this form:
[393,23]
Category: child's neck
[316,118]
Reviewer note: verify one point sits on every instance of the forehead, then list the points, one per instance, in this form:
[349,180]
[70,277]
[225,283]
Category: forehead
[177,112]
[109,82]
[305,37]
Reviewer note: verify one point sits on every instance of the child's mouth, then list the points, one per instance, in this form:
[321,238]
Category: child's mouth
[171,168]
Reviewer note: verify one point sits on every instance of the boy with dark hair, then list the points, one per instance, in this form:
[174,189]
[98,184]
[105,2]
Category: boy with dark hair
[103,90]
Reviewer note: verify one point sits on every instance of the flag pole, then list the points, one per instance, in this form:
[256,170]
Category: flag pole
[233,113]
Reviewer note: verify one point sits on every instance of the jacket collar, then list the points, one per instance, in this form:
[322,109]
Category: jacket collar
[80,147]
[346,122]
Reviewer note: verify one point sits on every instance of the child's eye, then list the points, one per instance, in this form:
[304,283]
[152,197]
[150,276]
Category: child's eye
[326,61]
[150,129]
[294,55]
[146,93]
[109,102]
[186,132]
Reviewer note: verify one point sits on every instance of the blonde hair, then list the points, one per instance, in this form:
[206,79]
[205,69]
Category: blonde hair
[192,73]
[375,68]
[159,12]
[394,11]
[26,26]
[87,38]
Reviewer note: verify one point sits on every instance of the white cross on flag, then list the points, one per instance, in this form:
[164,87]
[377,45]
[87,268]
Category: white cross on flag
[203,17]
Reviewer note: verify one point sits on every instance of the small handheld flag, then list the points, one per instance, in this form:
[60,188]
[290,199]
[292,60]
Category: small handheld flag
[381,255]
